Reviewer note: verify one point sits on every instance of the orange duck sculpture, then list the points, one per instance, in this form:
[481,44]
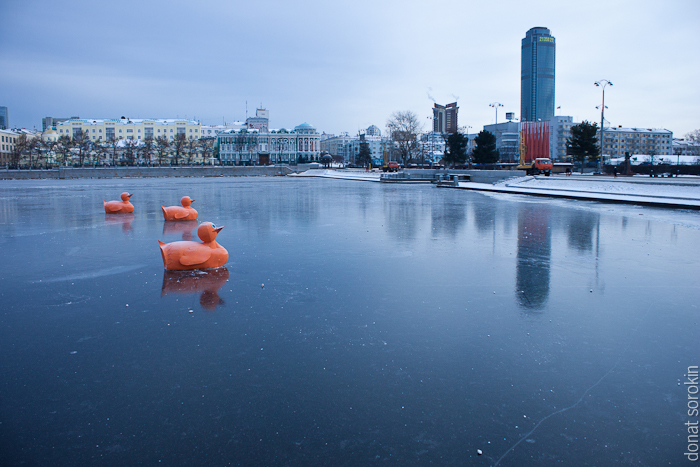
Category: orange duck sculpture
[185,255]
[177,213]
[123,206]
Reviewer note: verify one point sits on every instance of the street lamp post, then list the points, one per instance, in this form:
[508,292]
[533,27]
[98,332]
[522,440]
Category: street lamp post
[496,105]
[602,83]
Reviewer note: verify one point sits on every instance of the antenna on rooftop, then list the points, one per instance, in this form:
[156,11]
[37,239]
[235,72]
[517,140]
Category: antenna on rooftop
[246,110]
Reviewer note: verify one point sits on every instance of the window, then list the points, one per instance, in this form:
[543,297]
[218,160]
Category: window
[128,130]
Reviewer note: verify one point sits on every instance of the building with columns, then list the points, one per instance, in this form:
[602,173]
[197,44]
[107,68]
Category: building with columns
[261,146]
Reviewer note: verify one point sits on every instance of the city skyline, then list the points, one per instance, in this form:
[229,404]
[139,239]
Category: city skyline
[208,62]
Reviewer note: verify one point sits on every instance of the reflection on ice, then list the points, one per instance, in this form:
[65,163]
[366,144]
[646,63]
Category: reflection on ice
[124,219]
[180,227]
[207,282]
[534,252]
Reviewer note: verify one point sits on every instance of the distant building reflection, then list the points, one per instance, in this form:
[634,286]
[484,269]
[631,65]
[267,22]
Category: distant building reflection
[447,219]
[206,282]
[580,232]
[122,219]
[534,254]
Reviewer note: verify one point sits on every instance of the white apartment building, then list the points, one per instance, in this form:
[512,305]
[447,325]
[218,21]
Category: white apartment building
[335,145]
[559,133]
[127,128]
[646,141]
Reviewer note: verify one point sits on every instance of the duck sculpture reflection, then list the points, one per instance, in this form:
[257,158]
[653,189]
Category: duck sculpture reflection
[206,283]
[123,206]
[185,255]
[180,213]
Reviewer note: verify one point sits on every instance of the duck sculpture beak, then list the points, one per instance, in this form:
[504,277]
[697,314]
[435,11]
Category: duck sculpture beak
[130,195]
[218,229]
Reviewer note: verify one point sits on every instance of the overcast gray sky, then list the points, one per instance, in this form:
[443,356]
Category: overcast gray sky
[341,65]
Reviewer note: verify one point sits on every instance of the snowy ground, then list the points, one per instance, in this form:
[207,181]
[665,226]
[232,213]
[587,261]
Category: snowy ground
[667,188]
[674,192]
[677,192]
[345,174]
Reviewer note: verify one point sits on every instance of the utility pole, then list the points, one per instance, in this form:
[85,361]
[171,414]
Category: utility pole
[602,83]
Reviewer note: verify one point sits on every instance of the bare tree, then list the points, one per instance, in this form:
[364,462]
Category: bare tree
[33,146]
[81,140]
[64,146]
[239,143]
[19,148]
[179,144]
[162,147]
[206,147]
[252,145]
[130,146]
[694,138]
[404,127]
[147,149]
[48,147]
[192,147]
[113,143]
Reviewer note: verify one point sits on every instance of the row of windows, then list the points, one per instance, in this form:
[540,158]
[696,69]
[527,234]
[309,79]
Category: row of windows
[8,139]
[129,130]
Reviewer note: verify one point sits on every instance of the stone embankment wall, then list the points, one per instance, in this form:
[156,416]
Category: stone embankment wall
[152,172]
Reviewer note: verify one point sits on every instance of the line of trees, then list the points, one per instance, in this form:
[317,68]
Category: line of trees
[32,152]
[404,129]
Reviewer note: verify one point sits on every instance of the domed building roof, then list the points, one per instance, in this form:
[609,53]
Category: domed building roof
[49,135]
[305,128]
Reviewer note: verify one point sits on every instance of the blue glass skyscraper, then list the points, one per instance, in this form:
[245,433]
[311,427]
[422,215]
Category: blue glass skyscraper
[4,119]
[537,75]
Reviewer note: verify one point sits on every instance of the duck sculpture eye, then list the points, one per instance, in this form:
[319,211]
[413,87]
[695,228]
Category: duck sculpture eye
[213,226]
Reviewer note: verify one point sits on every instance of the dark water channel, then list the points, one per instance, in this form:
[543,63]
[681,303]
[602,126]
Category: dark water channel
[397,325]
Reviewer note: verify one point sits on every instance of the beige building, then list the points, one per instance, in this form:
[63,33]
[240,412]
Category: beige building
[649,141]
[129,128]
[8,139]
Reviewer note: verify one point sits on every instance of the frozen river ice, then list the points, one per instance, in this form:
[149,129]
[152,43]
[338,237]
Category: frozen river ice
[355,324]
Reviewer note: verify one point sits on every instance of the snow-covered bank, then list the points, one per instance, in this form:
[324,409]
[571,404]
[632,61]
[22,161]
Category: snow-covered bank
[684,193]
[346,174]
[676,192]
